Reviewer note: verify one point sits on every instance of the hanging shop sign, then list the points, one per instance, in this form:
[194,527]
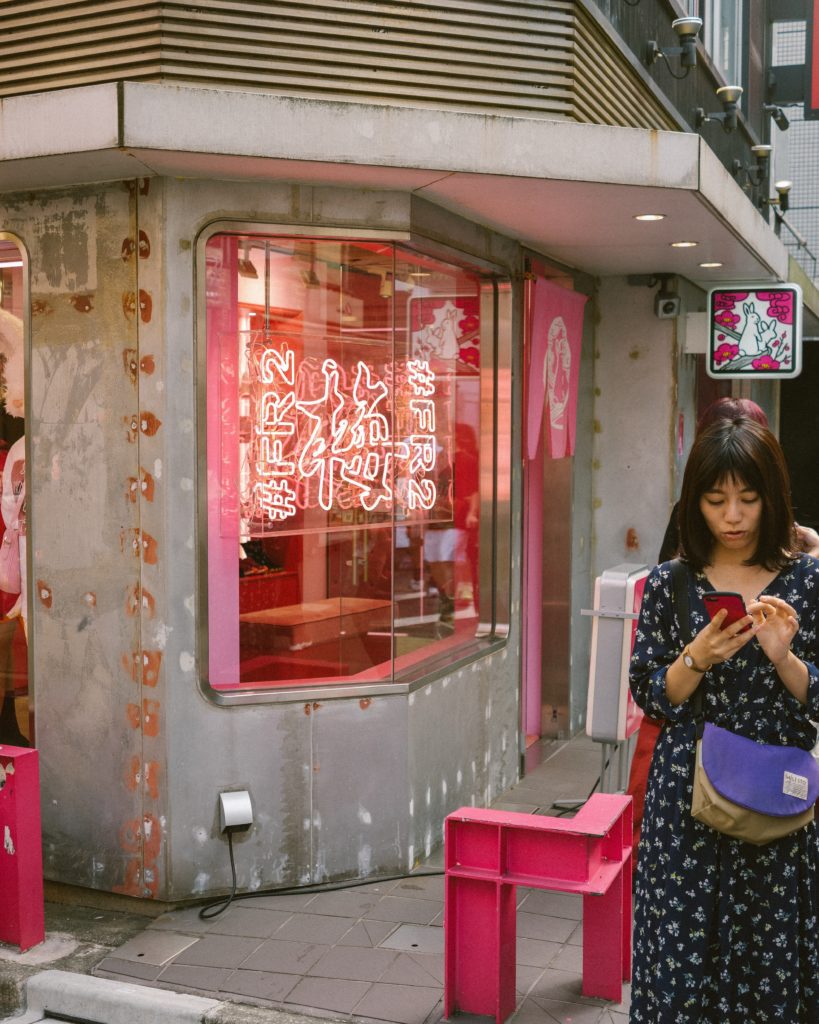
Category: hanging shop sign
[755,331]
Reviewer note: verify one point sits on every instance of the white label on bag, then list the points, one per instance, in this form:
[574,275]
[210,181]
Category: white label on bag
[795,785]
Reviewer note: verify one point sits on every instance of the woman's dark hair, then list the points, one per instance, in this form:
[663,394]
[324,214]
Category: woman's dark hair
[746,452]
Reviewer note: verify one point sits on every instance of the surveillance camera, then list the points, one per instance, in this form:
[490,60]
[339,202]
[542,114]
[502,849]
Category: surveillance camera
[667,305]
[778,114]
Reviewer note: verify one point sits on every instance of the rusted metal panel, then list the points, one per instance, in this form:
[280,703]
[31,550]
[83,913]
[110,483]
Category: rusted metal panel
[88,721]
[133,756]
[552,60]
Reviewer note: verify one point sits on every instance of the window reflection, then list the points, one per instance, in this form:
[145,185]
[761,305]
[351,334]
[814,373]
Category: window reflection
[343,409]
[16,712]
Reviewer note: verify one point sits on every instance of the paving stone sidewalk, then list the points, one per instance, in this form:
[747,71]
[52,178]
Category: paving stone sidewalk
[375,952]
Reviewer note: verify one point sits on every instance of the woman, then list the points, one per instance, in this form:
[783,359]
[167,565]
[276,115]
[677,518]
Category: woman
[726,931]
[719,410]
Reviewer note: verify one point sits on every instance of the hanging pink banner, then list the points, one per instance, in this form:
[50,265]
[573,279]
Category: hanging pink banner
[556,331]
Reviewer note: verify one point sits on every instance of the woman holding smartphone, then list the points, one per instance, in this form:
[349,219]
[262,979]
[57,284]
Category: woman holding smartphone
[726,931]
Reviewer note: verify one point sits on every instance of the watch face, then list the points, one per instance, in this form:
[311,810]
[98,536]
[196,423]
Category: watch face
[688,661]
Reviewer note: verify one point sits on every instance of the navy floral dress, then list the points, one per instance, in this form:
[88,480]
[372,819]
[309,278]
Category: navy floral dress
[723,931]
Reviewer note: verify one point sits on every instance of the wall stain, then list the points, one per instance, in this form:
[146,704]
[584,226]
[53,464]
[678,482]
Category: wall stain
[44,593]
[82,303]
[149,424]
[146,306]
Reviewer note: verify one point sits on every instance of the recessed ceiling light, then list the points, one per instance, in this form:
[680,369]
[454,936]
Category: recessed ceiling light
[650,216]
[710,265]
[683,245]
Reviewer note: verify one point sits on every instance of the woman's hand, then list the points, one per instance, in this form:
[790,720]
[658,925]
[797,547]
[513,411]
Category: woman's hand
[709,647]
[778,626]
[775,634]
[713,644]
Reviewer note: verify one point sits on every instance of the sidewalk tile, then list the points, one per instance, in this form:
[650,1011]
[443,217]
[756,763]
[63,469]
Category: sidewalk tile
[287,901]
[218,951]
[315,928]
[352,904]
[410,970]
[400,908]
[560,986]
[570,958]
[576,938]
[128,968]
[327,994]
[539,926]
[553,904]
[418,938]
[202,979]
[187,920]
[404,1004]
[353,963]
[433,964]
[558,1011]
[419,887]
[367,933]
[283,957]
[260,984]
[536,953]
[525,977]
[252,922]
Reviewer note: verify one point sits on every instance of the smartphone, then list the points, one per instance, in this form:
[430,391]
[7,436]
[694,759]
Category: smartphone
[718,599]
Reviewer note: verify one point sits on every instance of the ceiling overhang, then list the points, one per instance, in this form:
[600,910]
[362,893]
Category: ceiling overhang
[570,191]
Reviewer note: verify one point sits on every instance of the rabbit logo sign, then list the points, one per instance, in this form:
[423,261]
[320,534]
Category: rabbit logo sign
[755,331]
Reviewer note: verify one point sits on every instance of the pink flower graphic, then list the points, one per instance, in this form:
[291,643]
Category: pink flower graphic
[725,353]
[765,362]
[727,300]
[726,319]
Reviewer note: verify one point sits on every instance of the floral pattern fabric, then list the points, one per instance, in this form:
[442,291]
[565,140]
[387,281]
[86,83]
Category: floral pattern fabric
[724,931]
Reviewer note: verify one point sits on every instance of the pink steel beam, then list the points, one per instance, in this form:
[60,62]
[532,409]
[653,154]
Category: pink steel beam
[489,853]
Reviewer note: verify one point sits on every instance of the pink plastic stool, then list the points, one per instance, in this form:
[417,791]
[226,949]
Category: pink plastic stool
[489,853]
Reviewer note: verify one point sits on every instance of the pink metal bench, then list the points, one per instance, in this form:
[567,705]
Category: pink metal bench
[489,853]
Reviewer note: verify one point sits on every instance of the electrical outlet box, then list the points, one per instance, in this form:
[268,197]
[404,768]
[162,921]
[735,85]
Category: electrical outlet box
[235,810]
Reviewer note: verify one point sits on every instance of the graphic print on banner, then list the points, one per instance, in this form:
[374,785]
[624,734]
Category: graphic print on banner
[556,330]
[755,331]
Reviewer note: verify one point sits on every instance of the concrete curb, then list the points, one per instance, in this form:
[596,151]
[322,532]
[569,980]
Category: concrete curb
[102,1001]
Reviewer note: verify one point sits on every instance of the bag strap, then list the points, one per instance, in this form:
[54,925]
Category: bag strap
[679,579]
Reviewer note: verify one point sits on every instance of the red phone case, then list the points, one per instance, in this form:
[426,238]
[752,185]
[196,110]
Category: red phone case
[718,599]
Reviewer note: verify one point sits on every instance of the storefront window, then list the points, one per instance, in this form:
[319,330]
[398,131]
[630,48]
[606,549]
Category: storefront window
[346,451]
[16,712]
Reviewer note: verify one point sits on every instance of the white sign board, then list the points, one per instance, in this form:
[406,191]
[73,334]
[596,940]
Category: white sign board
[755,331]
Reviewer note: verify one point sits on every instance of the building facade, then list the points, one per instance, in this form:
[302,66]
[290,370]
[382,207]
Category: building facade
[295,522]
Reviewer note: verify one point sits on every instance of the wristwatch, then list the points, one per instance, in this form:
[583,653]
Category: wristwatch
[689,662]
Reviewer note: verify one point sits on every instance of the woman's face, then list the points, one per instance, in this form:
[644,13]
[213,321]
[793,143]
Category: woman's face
[733,513]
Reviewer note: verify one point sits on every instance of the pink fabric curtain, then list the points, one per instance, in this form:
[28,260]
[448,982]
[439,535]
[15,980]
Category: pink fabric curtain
[556,332]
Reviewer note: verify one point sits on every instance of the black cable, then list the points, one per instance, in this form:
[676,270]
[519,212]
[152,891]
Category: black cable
[215,909]
[317,887]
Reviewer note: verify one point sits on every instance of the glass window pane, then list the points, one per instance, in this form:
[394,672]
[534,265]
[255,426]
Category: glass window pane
[343,409]
[16,711]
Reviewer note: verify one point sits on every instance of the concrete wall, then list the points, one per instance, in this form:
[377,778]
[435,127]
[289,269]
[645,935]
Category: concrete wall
[133,754]
[635,425]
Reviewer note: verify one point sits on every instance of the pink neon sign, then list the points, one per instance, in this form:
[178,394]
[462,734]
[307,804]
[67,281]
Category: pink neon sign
[322,436]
